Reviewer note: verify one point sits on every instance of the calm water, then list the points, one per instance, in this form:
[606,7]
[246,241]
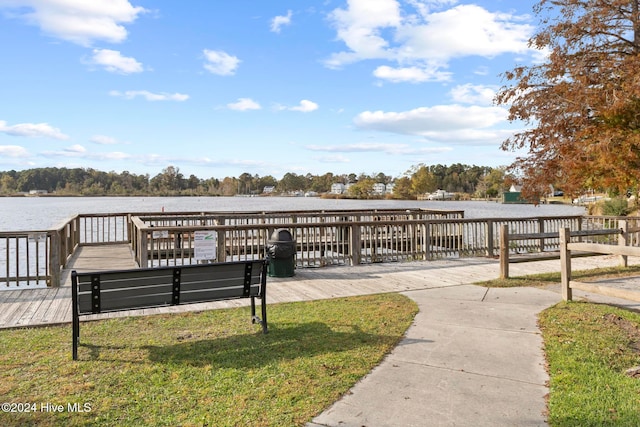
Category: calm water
[41,213]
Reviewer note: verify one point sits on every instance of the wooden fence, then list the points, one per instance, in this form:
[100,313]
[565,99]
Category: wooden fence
[568,244]
[345,237]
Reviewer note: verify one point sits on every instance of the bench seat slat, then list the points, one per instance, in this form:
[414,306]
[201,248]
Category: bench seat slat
[131,302]
[110,281]
[215,294]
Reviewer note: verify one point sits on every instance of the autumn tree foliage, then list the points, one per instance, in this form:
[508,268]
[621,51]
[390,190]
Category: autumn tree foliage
[581,104]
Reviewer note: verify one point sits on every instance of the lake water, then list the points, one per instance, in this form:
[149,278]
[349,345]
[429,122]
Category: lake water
[41,213]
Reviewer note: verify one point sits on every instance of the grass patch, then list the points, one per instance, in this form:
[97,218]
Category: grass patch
[588,348]
[544,279]
[210,368]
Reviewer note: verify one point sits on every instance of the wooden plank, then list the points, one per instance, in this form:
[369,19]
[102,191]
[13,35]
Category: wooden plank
[57,312]
[10,306]
[607,290]
[32,308]
[605,249]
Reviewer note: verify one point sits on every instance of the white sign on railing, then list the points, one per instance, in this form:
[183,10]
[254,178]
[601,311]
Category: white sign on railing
[161,234]
[37,237]
[205,244]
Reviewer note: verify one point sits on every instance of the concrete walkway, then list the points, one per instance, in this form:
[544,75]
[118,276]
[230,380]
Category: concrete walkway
[473,357]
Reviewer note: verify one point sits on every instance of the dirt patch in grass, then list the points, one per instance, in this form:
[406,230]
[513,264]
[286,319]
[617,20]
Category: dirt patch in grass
[630,329]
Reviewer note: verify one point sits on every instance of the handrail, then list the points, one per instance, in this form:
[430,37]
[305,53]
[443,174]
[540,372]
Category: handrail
[322,238]
[622,249]
[506,238]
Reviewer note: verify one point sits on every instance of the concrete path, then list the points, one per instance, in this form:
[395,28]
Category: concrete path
[473,357]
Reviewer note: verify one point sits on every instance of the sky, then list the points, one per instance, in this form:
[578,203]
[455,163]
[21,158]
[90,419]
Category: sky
[222,88]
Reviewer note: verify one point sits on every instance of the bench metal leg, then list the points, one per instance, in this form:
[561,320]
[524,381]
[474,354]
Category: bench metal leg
[254,318]
[76,320]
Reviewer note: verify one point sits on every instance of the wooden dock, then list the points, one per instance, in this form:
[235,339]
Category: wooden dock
[38,307]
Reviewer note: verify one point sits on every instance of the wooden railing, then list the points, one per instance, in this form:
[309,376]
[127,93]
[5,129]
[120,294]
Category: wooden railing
[322,238]
[349,239]
[623,235]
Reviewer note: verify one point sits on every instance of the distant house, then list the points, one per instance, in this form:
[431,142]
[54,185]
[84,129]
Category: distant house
[338,188]
[37,192]
[389,188]
[268,189]
[513,195]
[379,188]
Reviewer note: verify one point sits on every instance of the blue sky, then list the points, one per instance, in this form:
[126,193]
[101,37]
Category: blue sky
[220,88]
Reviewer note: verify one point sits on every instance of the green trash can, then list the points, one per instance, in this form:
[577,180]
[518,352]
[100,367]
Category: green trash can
[281,251]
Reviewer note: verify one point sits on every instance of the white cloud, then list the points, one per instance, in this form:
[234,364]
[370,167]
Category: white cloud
[79,152]
[221,63]
[305,106]
[14,151]
[114,62]
[420,38]
[441,122]
[332,159]
[411,74]
[404,149]
[103,140]
[78,21]
[360,27]
[114,155]
[244,104]
[465,30]
[150,96]
[279,21]
[473,94]
[32,130]
[76,149]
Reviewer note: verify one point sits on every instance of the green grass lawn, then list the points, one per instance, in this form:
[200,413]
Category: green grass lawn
[588,348]
[211,368]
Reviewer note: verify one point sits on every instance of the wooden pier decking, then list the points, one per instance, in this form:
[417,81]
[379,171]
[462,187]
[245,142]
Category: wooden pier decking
[38,307]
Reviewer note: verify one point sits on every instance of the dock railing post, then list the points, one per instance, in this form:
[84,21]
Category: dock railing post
[565,263]
[504,251]
[356,241]
[143,247]
[54,258]
[221,236]
[489,239]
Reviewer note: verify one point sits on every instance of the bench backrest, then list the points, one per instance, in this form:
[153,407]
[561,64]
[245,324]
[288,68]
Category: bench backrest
[100,292]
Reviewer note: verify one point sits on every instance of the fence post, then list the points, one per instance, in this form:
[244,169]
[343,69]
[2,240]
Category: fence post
[54,258]
[489,242]
[221,242]
[143,247]
[504,251]
[623,240]
[565,263]
[425,241]
[541,231]
[356,242]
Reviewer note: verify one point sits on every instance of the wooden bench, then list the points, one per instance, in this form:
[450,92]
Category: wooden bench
[110,291]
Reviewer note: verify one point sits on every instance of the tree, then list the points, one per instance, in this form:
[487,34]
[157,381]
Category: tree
[169,181]
[402,188]
[422,180]
[363,189]
[583,102]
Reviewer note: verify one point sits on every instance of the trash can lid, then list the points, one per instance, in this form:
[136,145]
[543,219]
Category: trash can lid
[281,235]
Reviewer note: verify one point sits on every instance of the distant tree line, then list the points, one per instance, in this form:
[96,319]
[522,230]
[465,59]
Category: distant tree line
[420,179]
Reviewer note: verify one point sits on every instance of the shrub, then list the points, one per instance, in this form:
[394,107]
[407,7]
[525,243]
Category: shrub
[617,206]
